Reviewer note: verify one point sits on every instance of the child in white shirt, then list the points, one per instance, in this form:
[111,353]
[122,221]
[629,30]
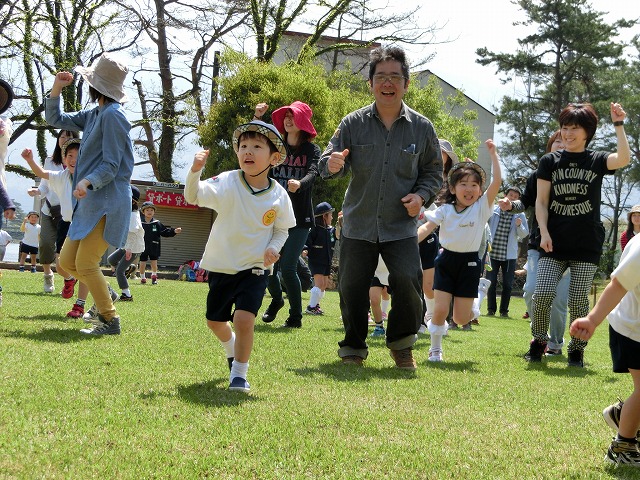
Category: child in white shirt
[462,219]
[254,217]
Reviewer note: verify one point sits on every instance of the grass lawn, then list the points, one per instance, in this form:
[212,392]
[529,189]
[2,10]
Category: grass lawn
[153,402]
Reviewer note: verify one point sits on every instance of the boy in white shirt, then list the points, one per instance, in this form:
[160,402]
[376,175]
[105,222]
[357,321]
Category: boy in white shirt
[620,303]
[254,216]
[30,241]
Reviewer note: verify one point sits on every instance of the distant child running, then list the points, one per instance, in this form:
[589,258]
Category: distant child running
[254,216]
[30,241]
[126,258]
[320,244]
[462,219]
[153,231]
[378,290]
[620,303]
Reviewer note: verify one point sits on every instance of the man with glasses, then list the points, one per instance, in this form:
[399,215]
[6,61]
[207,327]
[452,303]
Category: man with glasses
[395,162]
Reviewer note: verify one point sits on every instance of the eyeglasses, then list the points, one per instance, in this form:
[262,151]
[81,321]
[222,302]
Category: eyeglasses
[381,78]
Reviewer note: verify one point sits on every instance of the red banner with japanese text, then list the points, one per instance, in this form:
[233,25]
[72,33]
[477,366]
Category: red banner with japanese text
[168,199]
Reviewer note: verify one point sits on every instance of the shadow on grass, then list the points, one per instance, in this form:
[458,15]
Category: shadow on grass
[349,373]
[50,335]
[623,472]
[557,367]
[210,394]
[42,316]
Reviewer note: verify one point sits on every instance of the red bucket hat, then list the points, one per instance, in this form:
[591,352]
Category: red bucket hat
[301,116]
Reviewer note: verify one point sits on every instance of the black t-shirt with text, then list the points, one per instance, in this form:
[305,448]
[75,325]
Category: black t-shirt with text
[574,204]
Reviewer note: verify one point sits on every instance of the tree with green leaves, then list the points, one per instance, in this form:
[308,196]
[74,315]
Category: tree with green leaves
[571,55]
[559,62]
[246,82]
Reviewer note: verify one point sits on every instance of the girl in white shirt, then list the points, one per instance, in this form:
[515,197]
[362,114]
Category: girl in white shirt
[462,219]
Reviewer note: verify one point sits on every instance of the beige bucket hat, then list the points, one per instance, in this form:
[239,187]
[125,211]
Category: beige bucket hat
[106,75]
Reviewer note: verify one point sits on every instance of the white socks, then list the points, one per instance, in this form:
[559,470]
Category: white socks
[431,304]
[238,370]
[437,332]
[229,346]
[384,305]
[314,298]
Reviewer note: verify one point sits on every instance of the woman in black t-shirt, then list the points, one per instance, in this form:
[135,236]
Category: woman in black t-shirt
[568,213]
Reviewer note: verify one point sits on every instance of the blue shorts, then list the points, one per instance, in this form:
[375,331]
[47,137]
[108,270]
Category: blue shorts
[457,273]
[24,248]
[429,251]
[375,282]
[245,289]
[625,353]
[145,256]
[319,268]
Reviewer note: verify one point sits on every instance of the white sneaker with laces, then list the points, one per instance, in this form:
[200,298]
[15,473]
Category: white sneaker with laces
[435,355]
[48,283]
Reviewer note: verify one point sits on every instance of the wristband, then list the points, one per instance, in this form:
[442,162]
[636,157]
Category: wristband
[257,118]
[619,123]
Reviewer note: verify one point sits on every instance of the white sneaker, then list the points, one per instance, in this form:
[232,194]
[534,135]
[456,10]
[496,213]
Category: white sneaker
[48,283]
[435,355]
[423,328]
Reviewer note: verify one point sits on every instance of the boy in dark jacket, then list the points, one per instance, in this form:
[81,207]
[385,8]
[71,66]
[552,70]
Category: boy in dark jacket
[153,230]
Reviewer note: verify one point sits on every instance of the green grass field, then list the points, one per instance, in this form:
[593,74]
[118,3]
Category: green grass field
[153,402]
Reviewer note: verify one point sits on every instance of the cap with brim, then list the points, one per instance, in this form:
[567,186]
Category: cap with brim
[634,209]
[446,147]
[322,208]
[266,129]
[107,76]
[468,164]
[515,189]
[32,212]
[147,205]
[301,116]
[67,144]
[6,96]
[135,193]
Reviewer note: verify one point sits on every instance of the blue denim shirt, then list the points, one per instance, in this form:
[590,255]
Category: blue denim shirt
[385,166]
[105,159]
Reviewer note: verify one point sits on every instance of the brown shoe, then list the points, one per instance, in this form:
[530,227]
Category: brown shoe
[352,360]
[404,359]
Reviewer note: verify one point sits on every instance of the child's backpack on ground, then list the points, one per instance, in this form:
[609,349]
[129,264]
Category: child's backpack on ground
[202,275]
[186,272]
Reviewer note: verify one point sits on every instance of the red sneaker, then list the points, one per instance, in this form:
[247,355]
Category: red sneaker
[69,286]
[77,311]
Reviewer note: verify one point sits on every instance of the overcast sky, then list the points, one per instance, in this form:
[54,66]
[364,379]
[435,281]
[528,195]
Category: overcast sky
[470,24]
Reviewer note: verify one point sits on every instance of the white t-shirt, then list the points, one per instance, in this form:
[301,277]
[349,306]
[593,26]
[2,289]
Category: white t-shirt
[135,237]
[625,317]
[60,183]
[31,235]
[5,238]
[247,222]
[45,191]
[461,232]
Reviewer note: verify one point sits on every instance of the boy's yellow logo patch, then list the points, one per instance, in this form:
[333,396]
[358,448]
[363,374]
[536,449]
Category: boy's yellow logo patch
[269,217]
